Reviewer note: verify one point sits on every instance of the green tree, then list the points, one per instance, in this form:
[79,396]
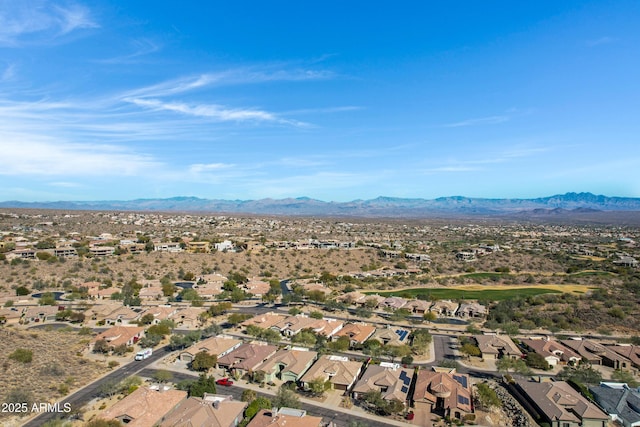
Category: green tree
[204,384]
[203,361]
[316,315]
[470,350]
[286,398]
[237,318]
[163,376]
[429,316]
[536,361]
[248,395]
[21,291]
[341,344]
[583,374]
[318,386]
[507,364]
[487,396]
[256,405]
[625,377]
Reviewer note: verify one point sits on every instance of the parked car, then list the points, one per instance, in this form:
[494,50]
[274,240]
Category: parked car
[224,382]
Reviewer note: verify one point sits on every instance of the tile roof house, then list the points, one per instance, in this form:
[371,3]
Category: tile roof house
[391,336]
[264,321]
[417,306]
[444,308]
[357,333]
[554,352]
[631,352]
[144,407]
[559,405]
[119,335]
[160,313]
[340,371]
[292,325]
[471,310]
[189,317]
[393,303]
[391,380]
[246,358]
[444,392]
[619,401]
[220,346]
[598,354]
[284,417]
[212,410]
[287,365]
[497,346]
[40,313]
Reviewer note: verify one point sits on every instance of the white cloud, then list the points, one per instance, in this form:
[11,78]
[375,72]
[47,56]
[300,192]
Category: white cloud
[199,168]
[39,21]
[491,120]
[33,155]
[600,41]
[212,111]
[141,47]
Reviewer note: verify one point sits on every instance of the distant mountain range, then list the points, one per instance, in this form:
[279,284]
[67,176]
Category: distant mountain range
[580,204]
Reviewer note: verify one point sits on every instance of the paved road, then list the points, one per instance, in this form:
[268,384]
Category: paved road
[84,395]
[328,414]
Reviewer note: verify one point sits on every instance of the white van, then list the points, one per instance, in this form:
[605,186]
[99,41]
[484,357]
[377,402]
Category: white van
[144,354]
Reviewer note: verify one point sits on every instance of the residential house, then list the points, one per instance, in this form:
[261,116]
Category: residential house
[144,407]
[122,315]
[160,313]
[393,303]
[357,333]
[391,336]
[101,251]
[168,247]
[497,346]
[327,327]
[211,410]
[257,287]
[10,315]
[151,293]
[631,352]
[553,351]
[220,346]
[340,371]
[619,401]
[560,405]
[224,246]
[189,317]
[390,379]
[292,325]
[353,297]
[284,417]
[264,321]
[119,335]
[598,354]
[42,313]
[198,247]
[101,293]
[287,365]
[245,358]
[444,392]
[417,306]
[65,252]
[471,310]
[444,308]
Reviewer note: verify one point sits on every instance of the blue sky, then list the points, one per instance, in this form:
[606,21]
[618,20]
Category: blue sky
[333,100]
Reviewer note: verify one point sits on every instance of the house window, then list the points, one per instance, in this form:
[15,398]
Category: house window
[565,425]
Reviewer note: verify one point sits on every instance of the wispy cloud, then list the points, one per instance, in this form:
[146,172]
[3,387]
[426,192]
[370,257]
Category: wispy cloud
[199,168]
[601,41]
[140,47]
[39,21]
[24,154]
[491,120]
[215,112]
[8,73]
